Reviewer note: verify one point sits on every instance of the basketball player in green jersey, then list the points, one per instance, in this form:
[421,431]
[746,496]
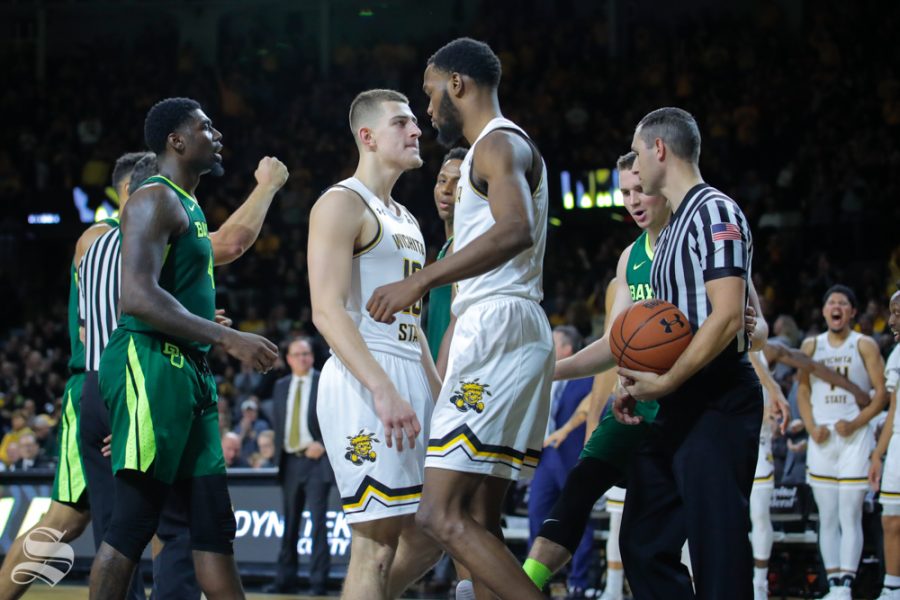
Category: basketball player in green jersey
[440,298]
[153,373]
[69,509]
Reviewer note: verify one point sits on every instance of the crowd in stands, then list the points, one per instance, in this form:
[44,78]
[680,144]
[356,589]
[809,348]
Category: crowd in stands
[800,125]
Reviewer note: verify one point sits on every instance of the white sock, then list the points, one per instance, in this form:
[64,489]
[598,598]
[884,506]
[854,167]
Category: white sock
[760,575]
[891,581]
[615,580]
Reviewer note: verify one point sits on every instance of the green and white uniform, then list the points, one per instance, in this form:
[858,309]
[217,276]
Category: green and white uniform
[439,300]
[612,441]
[158,388]
[69,482]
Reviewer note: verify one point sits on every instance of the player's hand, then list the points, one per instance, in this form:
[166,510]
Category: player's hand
[819,434]
[314,451]
[624,410]
[390,299]
[845,428]
[106,450]
[271,173]
[397,416]
[796,426]
[781,409]
[255,350]
[875,473]
[556,438]
[221,319]
[750,321]
[644,386]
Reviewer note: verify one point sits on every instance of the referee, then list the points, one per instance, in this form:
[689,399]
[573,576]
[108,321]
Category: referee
[692,478]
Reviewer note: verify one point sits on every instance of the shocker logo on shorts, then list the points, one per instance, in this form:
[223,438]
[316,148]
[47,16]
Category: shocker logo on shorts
[470,396]
[360,448]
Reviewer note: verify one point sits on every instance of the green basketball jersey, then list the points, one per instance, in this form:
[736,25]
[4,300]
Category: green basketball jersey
[76,346]
[187,271]
[638,269]
[439,300]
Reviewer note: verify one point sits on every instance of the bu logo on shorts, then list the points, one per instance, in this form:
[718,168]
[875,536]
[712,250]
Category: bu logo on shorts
[471,396]
[360,448]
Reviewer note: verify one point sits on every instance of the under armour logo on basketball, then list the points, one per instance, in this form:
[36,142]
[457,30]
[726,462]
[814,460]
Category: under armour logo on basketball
[49,559]
[667,325]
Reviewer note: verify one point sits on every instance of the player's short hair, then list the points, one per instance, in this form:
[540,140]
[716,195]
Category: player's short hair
[145,167]
[368,103]
[457,153]
[124,166]
[674,126]
[469,57]
[841,289]
[163,118]
[626,161]
[571,334]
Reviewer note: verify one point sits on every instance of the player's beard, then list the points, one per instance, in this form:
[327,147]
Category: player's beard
[451,127]
[217,170]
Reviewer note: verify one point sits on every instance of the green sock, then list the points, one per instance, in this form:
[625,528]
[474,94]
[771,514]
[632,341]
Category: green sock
[537,572]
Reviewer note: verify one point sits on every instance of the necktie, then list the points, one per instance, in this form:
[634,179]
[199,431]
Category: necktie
[294,434]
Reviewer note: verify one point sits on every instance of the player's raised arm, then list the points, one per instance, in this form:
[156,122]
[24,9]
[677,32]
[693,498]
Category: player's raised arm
[335,223]
[151,219]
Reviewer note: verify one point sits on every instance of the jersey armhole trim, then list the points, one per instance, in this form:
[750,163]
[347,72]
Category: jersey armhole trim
[534,190]
[378,234]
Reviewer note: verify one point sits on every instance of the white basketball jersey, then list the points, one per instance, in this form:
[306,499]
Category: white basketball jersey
[831,404]
[520,276]
[396,252]
[892,378]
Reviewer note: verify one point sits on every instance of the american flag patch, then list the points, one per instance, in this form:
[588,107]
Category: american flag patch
[725,231]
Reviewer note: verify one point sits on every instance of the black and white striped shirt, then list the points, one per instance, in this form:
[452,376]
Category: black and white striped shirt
[707,238]
[98,304]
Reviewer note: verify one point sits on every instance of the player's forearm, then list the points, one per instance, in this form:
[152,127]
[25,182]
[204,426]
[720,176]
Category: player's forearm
[588,361]
[887,432]
[876,406]
[241,229]
[805,408]
[159,309]
[491,249]
[431,372]
[717,333]
[343,337]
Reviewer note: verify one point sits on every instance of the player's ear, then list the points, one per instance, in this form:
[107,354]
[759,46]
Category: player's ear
[456,85]
[366,138]
[660,147]
[176,141]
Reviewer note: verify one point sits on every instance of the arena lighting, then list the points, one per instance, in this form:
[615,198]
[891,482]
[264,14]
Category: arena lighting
[596,188]
[43,219]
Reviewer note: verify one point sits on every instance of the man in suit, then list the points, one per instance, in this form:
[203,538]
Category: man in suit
[560,453]
[29,450]
[303,470]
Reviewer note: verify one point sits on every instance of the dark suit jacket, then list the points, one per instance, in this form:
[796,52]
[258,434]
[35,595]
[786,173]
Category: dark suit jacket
[280,409]
[573,394]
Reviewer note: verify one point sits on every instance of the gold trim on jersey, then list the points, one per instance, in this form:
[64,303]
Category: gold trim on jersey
[647,248]
[371,245]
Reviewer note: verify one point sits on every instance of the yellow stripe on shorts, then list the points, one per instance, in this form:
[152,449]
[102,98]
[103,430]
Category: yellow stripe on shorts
[140,448]
[71,477]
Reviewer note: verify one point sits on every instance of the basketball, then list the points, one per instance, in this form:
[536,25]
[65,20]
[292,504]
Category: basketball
[650,336]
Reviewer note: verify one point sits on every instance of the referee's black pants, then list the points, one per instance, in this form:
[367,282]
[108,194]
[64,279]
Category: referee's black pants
[692,479]
[93,427]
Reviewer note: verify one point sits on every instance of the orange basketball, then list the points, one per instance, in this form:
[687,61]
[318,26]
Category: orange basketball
[650,336]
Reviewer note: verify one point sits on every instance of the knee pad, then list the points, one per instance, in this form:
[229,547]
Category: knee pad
[135,514]
[212,518]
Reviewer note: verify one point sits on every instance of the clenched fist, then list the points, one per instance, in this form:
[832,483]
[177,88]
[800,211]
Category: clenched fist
[271,172]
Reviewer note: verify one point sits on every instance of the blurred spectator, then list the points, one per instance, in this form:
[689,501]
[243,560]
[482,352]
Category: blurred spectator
[18,429]
[231,450]
[250,426]
[30,457]
[45,437]
[266,455]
